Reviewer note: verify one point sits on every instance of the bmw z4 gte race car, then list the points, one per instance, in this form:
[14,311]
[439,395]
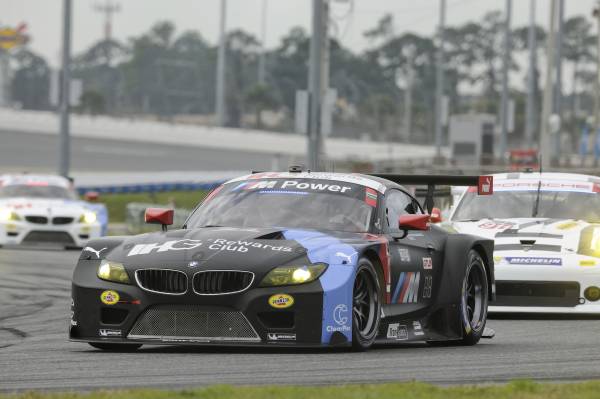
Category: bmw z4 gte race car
[546,229]
[44,210]
[297,259]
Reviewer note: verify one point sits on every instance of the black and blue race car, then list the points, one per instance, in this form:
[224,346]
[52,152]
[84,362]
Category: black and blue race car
[292,259]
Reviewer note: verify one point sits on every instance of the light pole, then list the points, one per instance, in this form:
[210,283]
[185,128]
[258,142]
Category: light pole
[220,105]
[505,79]
[262,63]
[530,106]
[65,144]
[315,85]
[439,81]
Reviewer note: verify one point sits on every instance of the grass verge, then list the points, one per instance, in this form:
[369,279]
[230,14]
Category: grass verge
[521,389]
[117,203]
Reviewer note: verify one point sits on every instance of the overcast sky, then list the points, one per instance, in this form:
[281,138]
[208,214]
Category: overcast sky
[43,17]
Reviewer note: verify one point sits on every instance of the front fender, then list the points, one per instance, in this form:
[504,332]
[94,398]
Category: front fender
[455,259]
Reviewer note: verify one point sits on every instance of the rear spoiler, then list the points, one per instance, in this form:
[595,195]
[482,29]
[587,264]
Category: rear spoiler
[484,184]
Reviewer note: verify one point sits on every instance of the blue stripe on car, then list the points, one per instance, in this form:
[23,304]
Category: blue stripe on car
[337,281]
[397,290]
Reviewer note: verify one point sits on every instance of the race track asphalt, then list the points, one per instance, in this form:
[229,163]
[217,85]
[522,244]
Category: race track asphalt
[35,353]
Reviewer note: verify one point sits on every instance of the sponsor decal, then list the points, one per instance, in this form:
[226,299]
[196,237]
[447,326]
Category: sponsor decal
[427,263]
[397,331]
[371,197]
[534,261]
[407,288]
[417,330]
[346,259]
[293,185]
[109,333]
[340,314]
[532,185]
[281,301]
[496,225]
[404,255]
[427,286]
[340,317]
[110,297]
[334,177]
[281,337]
[193,264]
[92,250]
[486,185]
[218,244]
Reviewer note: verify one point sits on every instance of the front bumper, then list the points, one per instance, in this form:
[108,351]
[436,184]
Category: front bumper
[547,289]
[244,318]
[25,233]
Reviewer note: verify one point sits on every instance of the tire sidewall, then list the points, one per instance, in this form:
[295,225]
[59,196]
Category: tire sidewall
[358,341]
[472,335]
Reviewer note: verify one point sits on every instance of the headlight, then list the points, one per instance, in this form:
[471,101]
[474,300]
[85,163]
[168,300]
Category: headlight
[589,243]
[293,275]
[88,218]
[6,215]
[112,271]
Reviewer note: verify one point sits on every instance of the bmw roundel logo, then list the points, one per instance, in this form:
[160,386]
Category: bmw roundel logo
[193,264]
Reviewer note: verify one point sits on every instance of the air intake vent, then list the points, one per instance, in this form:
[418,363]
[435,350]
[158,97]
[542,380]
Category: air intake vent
[219,282]
[37,219]
[62,220]
[162,281]
[181,323]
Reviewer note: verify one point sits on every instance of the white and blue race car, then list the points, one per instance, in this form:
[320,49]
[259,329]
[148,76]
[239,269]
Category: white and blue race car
[45,210]
[546,231]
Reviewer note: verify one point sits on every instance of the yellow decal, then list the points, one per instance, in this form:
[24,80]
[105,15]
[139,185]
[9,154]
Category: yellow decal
[587,262]
[281,301]
[567,225]
[109,297]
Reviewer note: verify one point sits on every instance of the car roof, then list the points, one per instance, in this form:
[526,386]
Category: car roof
[27,179]
[375,183]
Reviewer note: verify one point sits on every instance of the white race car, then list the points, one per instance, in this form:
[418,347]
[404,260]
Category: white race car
[546,229]
[45,210]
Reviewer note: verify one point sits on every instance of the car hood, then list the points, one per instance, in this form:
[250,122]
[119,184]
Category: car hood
[43,206]
[224,248]
[529,234]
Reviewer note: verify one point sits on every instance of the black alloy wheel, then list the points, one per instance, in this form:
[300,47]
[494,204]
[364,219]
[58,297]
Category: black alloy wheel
[366,306]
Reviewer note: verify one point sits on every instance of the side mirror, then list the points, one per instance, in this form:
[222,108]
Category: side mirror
[91,196]
[160,216]
[414,222]
[436,216]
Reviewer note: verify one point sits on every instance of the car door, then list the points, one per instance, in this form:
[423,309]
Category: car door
[410,255]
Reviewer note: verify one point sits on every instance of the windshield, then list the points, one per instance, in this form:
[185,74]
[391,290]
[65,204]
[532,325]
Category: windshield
[34,191]
[299,203]
[520,204]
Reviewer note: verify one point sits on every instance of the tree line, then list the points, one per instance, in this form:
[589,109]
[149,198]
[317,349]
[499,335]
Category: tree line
[171,75]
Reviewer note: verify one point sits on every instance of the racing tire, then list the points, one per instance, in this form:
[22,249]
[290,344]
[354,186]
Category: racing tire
[115,347]
[366,306]
[473,303]
[474,300]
